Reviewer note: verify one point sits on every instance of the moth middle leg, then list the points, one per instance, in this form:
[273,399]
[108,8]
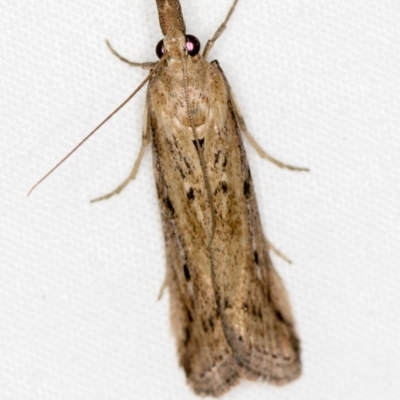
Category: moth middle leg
[244,130]
[145,142]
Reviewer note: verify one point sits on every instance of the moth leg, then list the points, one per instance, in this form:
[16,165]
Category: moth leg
[218,33]
[275,250]
[132,175]
[265,155]
[253,142]
[163,287]
[145,65]
[243,128]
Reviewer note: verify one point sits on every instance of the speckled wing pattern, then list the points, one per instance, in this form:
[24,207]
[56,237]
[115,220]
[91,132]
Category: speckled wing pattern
[229,309]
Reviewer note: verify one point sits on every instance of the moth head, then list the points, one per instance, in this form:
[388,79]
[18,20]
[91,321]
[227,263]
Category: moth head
[176,44]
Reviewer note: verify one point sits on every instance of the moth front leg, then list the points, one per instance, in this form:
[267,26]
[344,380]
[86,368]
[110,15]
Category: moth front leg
[220,30]
[145,65]
[244,130]
[145,142]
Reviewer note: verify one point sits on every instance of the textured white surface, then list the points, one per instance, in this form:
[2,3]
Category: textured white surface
[319,85]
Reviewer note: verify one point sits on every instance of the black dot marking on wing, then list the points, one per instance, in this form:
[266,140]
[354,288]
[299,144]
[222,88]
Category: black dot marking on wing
[246,188]
[169,205]
[190,194]
[279,316]
[186,272]
[224,187]
[256,257]
[200,143]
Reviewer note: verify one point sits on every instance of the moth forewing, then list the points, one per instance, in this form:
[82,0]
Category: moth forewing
[256,314]
[204,352]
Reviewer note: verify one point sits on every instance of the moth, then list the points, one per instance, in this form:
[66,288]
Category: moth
[229,309]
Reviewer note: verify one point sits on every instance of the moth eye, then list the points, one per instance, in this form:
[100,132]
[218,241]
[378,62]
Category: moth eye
[192,45]
[160,48]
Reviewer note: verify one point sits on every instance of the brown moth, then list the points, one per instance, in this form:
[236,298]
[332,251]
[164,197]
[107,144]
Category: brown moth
[229,309]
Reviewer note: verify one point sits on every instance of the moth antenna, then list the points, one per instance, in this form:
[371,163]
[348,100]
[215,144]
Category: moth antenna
[98,126]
